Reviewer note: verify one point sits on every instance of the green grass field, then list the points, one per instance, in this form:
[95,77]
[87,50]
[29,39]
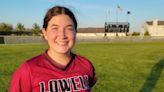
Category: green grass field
[120,67]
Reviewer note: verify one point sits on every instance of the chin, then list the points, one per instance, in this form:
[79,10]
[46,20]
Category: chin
[63,51]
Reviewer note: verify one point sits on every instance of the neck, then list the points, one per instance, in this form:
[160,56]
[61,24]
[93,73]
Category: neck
[60,58]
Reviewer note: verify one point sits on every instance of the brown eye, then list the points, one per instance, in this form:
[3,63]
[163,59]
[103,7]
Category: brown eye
[70,28]
[54,29]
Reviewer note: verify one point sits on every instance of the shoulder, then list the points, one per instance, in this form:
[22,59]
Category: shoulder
[35,58]
[86,63]
[35,61]
[21,70]
[88,67]
[24,68]
[83,59]
[21,79]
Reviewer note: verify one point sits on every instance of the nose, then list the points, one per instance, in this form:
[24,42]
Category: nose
[62,33]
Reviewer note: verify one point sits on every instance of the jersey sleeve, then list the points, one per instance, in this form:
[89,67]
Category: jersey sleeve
[93,78]
[21,81]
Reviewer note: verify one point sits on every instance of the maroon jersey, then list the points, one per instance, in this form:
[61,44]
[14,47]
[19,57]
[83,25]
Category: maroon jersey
[39,74]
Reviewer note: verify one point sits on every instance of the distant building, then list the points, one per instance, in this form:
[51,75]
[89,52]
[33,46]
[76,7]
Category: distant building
[155,27]
[116,28]
[90,32]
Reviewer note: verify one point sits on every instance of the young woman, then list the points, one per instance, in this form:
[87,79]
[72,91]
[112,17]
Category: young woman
[57,69]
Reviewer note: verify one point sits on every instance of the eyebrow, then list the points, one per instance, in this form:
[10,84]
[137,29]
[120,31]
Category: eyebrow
[58,25]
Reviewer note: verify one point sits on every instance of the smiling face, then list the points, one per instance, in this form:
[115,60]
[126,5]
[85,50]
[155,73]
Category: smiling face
[60,34]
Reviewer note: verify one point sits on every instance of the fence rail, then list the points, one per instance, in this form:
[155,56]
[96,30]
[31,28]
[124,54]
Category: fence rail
[39,39]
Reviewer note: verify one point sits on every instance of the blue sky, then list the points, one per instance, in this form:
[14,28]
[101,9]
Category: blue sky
[89,13]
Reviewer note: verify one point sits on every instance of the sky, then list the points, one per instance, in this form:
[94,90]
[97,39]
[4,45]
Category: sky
[89,13]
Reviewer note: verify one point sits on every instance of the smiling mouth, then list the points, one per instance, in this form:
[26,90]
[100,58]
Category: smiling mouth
[62,43]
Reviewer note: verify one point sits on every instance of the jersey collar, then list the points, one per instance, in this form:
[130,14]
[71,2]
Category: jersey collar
[57,65]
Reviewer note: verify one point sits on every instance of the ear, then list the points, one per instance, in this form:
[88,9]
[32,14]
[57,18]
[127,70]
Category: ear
[44,33]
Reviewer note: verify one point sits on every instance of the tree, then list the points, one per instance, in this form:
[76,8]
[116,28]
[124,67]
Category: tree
[36,29]
[5,29]
[20,28]
[146,33]
[135,33]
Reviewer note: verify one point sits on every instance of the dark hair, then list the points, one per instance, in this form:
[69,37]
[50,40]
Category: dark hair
[57,10]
